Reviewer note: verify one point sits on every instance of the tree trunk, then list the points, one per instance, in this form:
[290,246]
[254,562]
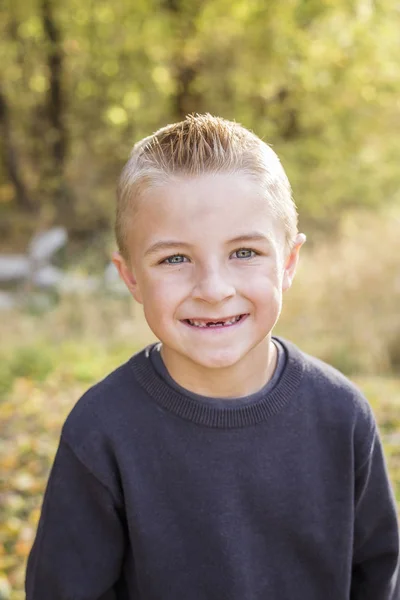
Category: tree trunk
[55,96]
[11,159]
[186,71]
[62,197]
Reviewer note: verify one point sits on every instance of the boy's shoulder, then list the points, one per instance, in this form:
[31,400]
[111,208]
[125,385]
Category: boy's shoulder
[105,406]
[335,404]
[330,391]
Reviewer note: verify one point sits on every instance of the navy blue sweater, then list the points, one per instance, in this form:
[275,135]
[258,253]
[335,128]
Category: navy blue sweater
[160,495]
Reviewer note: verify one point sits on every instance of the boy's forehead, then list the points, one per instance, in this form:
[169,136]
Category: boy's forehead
[206,196]
[204,209]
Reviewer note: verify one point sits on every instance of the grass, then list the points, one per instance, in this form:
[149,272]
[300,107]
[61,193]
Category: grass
[383,394]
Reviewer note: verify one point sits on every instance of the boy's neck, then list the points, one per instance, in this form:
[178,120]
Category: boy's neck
[253,372]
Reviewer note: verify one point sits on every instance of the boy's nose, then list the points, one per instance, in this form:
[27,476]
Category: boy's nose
[213,287]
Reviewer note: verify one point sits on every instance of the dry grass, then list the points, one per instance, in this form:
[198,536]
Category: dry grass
[345,303]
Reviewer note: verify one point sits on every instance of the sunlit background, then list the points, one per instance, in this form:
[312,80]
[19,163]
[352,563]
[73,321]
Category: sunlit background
[80,82]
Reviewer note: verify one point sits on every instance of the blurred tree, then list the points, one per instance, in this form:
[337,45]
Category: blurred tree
[10,157]
[81,82]
[55,105]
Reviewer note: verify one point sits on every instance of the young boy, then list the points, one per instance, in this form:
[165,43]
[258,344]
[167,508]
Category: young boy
[220,463]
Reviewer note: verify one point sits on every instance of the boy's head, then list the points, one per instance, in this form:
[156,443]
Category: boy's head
[207,236]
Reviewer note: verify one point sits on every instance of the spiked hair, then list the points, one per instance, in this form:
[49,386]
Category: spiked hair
[202,144]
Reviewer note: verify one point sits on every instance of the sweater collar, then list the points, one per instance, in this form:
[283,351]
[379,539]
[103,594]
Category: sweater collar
[226,416]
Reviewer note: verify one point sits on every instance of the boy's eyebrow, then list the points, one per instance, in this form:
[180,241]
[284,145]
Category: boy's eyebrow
[253,236]
[165,245]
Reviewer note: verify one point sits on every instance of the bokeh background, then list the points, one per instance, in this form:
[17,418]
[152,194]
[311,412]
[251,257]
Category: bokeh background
[80,82]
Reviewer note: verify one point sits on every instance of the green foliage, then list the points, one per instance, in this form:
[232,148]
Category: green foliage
[309,77]
[33,362]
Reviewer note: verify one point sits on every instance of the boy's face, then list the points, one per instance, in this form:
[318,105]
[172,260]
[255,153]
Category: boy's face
[206,251]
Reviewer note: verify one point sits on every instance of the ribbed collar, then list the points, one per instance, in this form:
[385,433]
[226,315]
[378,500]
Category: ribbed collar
[226,417]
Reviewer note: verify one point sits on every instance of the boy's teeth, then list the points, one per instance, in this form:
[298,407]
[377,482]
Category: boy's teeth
[214,323]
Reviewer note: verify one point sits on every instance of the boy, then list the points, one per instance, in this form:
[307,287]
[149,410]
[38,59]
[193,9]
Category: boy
[220,463]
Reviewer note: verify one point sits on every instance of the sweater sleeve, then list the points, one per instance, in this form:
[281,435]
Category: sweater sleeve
[376,534]
[79,545]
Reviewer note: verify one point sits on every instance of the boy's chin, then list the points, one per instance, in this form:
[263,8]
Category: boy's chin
[216,360]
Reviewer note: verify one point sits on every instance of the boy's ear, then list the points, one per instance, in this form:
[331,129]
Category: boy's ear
[127,276]
[291,262]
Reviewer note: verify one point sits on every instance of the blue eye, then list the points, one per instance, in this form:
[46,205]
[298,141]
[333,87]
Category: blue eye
[245,253]
[176,259]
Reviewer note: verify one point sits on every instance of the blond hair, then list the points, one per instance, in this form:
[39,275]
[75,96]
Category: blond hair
[202,144]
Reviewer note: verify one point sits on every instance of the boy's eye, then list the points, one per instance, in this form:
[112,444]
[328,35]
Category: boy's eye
[245,253]
[176,259]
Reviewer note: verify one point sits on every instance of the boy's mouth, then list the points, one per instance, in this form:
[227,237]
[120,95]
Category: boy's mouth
[214,323]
